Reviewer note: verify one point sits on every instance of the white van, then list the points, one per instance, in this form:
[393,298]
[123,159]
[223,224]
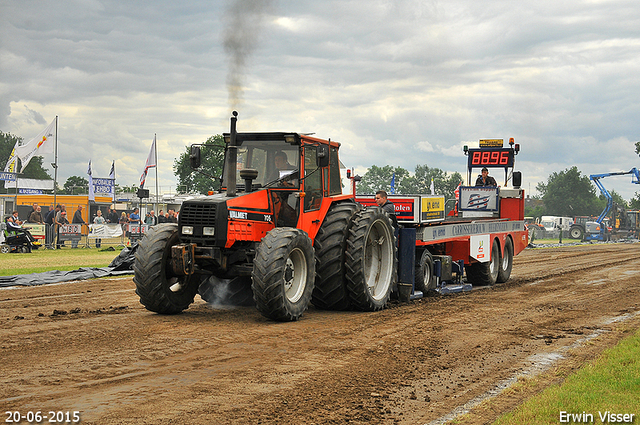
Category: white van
[552,222]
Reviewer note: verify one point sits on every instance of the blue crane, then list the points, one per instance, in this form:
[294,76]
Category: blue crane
[635,178]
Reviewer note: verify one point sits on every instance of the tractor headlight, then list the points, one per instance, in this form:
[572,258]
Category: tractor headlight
[208,231]
[187,230]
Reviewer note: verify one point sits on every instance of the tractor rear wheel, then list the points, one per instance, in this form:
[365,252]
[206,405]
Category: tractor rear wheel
[232,292]
[283,273]
[371,266]
[159,288]
[507,262]
[330,290]
[485,273]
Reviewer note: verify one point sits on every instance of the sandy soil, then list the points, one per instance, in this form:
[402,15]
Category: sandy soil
[89,346]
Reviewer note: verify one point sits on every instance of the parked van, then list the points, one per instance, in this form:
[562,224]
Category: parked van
[552,222]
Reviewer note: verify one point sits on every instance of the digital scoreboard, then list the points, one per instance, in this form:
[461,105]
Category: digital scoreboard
[491,157]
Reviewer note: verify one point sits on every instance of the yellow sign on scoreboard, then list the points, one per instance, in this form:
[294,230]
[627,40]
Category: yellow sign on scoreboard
[491,143]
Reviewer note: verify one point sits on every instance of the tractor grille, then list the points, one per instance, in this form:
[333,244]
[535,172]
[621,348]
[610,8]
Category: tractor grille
[192,214]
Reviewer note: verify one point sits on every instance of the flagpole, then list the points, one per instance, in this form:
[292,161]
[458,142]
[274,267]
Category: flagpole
[113,198]
[155,207]
[55,167]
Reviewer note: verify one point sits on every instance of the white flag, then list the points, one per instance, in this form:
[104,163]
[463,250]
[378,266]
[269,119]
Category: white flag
[12,163]
[41,144]
[151,162]
[112,177]
[433,188]
[92,195]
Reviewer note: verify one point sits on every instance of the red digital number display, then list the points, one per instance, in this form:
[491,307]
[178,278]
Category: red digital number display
[490,157]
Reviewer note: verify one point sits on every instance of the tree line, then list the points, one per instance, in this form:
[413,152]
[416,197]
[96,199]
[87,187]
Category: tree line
[565,193]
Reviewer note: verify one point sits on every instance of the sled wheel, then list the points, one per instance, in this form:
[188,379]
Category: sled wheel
[424,272]
[160,290]
[330,290]
[233,292]
[507,262]
[485,273]
[371,267]
[5,249]
[283,273]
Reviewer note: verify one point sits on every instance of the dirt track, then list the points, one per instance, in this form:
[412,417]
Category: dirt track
[90,346]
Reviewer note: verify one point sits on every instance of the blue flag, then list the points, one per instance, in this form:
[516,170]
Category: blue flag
[393,184]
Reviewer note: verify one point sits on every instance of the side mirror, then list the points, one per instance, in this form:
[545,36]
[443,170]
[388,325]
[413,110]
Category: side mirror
[322,156]
[194,156]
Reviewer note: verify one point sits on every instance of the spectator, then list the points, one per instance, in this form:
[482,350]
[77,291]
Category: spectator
[13,219]
[161,218]
[61,219]
[151,218]
[49,216]
[113,216]
[172,217]
[98,219]
[36,216]
[123,218]
[49,221]
[134,217]
[77,219]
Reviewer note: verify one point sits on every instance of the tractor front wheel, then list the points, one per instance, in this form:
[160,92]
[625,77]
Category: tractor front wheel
[283,274]
[159,288]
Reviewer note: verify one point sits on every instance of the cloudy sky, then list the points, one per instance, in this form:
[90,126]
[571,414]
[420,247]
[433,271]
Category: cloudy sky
[400,82]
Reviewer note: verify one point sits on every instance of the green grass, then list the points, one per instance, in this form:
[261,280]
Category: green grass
[65,259]
[610,383]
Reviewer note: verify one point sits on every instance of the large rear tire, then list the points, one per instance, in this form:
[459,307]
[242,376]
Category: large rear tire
[229,292]
[283,273]
[576,232]
[485,273]
[507,262]
[159,289]
[330,290]
[371,266]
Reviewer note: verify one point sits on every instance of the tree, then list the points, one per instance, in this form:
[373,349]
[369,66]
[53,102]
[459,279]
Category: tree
[206,178]
[379,178]
[617,199]
[568,193]
[635,201]
[76,185]
[638,148]
[34,169]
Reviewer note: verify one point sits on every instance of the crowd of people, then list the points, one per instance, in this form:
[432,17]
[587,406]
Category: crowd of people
[56,216]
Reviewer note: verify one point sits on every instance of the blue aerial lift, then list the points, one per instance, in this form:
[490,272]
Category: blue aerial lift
[596,230]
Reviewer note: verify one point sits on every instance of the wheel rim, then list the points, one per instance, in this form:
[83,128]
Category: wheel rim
[505,262]
[295,275]
[5,249]
[495,261]
[378,259]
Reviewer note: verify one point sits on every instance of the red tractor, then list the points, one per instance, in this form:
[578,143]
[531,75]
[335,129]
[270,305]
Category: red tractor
[280,234]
